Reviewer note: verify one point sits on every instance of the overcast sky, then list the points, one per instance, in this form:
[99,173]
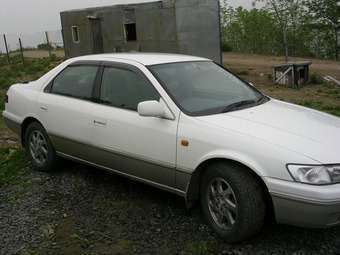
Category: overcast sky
[31,16]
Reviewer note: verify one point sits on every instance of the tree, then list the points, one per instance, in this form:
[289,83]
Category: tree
[299,28]
[325,17]
[285,13]
[247,31]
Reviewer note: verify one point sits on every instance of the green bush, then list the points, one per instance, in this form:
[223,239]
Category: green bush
[241,71]
[315,78]
[45,46]
[54,58]
[226,47]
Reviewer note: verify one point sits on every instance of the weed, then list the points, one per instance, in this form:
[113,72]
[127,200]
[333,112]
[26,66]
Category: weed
[118,204]
[17,68]
[335,93]
[315,78]
[78,186]
[124,244]
[13,162]
[14,199]
[2,103]
[45,46]
[79,238]
[15,71]
[319,105]
[54,58]
[241,71]
[202,245]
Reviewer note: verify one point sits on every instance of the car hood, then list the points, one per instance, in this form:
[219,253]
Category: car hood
[311,133]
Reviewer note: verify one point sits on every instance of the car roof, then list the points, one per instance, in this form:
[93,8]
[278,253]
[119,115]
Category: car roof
[142,57]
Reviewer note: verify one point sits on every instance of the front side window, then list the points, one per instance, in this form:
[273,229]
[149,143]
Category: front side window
[75,81]
[203,87]
[124,88]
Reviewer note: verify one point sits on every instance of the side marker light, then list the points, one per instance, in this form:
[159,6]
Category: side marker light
[185,143]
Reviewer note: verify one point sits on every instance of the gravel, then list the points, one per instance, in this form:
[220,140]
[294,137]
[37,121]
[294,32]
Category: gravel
[82,210]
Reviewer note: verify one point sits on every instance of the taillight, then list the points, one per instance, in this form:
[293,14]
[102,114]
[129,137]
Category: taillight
[6,100]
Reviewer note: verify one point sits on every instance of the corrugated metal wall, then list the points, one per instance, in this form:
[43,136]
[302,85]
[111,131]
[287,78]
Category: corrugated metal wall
[172,26]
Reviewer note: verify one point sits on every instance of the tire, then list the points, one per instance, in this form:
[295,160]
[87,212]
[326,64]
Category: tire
[232,201]
[39,148]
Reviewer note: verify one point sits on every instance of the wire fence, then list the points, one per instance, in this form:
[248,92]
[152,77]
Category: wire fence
[43,44]
[39,40]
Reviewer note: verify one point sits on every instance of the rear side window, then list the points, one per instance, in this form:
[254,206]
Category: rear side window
[75,81]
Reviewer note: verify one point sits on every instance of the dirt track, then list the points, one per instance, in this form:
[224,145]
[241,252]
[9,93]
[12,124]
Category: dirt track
[43,53]
[261,64]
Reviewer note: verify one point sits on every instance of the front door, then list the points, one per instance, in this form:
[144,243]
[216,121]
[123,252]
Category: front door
[122,140]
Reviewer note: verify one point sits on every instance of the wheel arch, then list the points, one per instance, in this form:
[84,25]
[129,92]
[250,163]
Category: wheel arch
[24,126]
[193,187]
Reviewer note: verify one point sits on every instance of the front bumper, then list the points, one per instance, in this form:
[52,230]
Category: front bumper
[305,205]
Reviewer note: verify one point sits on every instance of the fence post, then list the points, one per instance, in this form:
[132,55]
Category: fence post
[48,44]
[22,54]
[9,60]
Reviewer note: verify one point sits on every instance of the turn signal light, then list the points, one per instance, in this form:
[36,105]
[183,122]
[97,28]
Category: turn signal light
[185,143]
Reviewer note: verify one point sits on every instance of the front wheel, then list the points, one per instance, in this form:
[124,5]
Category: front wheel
[232,201]
[40,149]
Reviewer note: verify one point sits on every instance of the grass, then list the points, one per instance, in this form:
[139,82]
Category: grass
[2,103]
[207,245]
[13,165]
[319,105]
[18,71]
[14,160]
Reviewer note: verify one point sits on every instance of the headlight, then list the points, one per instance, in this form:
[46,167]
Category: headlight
[322,174]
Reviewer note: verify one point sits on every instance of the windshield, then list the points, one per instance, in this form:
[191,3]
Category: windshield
[204,88]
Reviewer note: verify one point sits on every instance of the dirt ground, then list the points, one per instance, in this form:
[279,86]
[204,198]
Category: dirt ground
[43,53]
[262,64]
[259,66]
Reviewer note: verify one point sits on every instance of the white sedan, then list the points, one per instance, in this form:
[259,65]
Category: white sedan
[189,126]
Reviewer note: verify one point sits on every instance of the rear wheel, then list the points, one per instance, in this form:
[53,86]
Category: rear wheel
[232,201]
[40,149]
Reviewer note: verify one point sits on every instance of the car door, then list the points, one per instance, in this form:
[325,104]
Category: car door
[64,109]
[124,141]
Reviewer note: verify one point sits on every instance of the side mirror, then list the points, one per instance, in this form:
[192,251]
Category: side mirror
[151,108]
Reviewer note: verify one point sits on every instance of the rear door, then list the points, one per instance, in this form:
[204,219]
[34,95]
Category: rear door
[142,147]
[65,109]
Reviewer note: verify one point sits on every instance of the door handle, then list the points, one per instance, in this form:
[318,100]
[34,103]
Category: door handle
[43,108]
[99,122]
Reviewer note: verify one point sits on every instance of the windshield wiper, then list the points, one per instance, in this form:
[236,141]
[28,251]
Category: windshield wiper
[237,104]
